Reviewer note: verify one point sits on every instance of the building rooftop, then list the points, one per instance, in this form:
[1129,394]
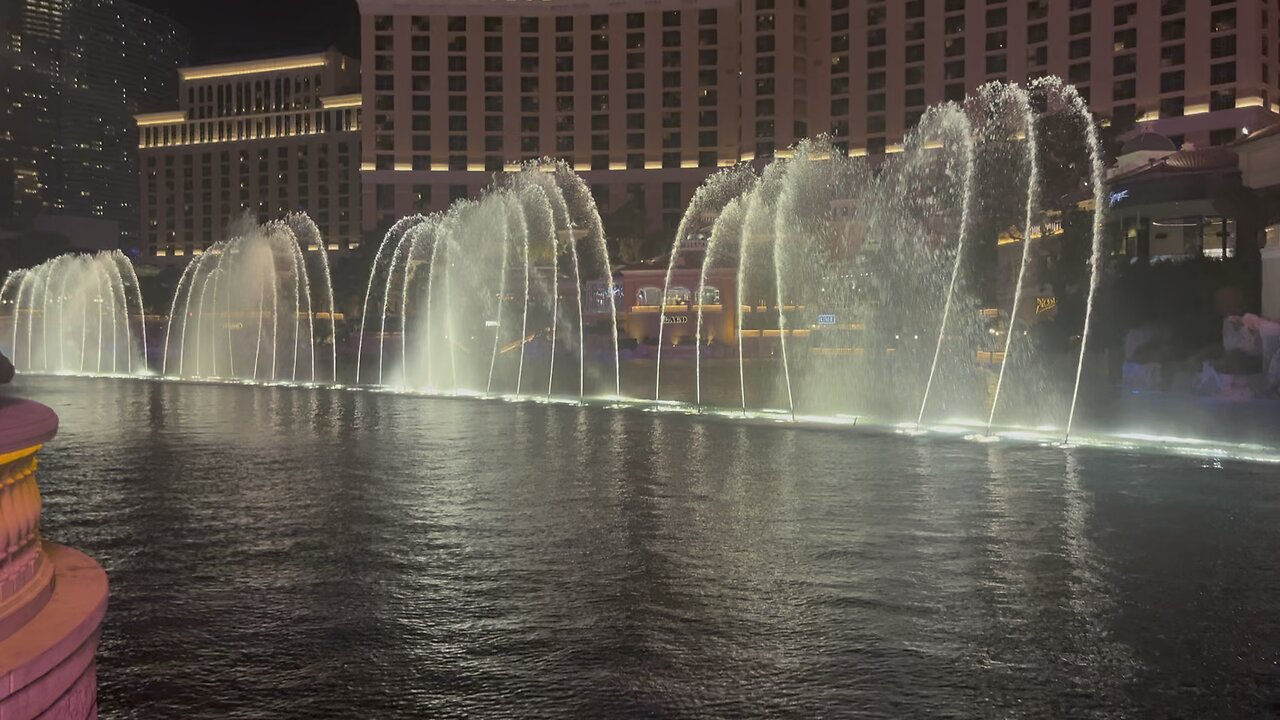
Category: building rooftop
[259,65]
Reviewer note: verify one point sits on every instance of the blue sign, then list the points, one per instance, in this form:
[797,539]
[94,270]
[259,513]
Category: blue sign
[827,319]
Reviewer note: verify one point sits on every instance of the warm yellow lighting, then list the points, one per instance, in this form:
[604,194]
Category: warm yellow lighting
[401,167]
[581,167]
[1248,102]
[748,157]
[1197,109]
[341,101]
[857,152]
[160,118]
[894,148]
[933,145]
[511,167]
[439,166]
[653,165]
[617,166]
[472,167]
[161,252]
[298,62]
[726,162]
[177,252]
[1007,239]
[785,154]
[367,166]
[1149,116]
[688,163]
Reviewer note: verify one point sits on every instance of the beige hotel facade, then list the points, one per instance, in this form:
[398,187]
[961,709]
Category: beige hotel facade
[256,139]
[645,98]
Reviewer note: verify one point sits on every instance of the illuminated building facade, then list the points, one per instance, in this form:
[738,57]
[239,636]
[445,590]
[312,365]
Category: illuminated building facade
[257,139]
[645,101]
[72,75]
[1198,71]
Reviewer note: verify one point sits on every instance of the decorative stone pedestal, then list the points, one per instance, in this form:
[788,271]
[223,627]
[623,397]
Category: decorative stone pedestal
[52,598]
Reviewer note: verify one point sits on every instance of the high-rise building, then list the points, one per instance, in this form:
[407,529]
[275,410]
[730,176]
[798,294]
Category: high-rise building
[1199,71]
[261,138]
[75,73]
[647,99]
[30,105]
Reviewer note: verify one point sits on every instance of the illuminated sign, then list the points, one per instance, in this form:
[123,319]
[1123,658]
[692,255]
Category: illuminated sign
[675,319]
[1045,304]
[827,319]
[1118,196]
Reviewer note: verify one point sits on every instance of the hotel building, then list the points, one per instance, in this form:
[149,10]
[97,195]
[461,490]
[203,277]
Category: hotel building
[647,99]
[261,139]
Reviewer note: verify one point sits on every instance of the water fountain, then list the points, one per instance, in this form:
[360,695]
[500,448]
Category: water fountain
[472,297]
[77,314]
[246,309]
[860,290]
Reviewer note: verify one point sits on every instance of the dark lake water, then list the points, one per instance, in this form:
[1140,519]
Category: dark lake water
[286,553]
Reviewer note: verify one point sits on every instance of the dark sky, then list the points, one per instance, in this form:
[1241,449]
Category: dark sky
[233,29]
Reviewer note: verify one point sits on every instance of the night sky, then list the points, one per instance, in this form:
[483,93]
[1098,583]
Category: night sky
[237,29]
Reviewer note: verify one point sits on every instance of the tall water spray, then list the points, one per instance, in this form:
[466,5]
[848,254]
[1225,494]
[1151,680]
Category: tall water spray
[77,314]
[479,286]
[246,308]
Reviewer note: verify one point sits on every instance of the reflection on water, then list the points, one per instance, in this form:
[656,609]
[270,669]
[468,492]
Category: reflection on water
[313,553]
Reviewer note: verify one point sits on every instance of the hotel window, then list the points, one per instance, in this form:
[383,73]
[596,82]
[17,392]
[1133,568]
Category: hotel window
[997,40]
[1123,89]
[1222,73]
[1224,46]
[1173,30]
[1078,73]
[1173,56]
[1222,137]
[382,23]
[1171,107]
[1126,39]
[953,47]
[1172,7]
[953,70]
[1223,20]
[420,23]
[915,53]
[1172,82]
[1124,64]
[997,17]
